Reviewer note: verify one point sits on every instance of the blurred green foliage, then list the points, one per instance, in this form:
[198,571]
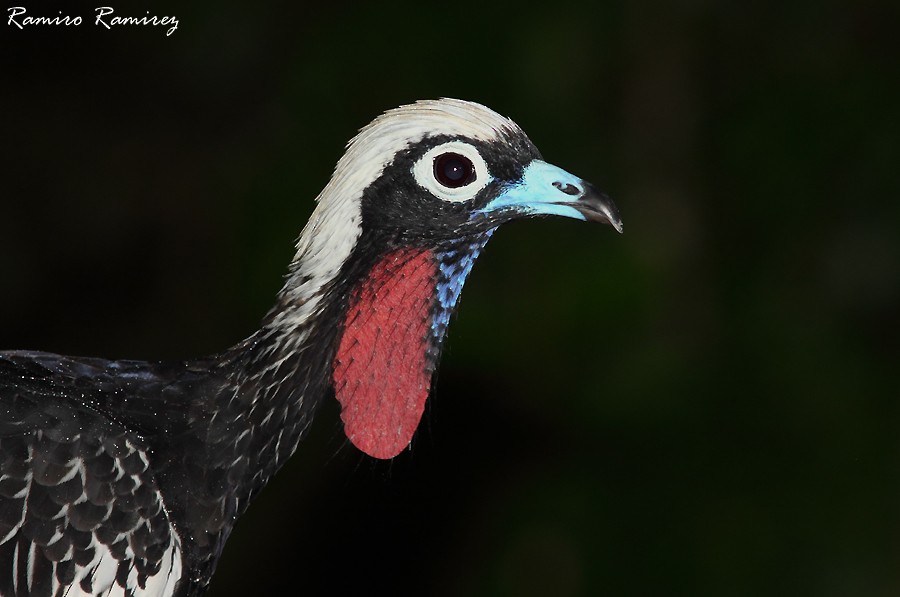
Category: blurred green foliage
[706,405]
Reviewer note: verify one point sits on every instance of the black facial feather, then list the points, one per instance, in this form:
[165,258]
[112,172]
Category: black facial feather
[396,202]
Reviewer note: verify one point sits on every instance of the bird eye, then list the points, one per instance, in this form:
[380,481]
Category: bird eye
[453,170]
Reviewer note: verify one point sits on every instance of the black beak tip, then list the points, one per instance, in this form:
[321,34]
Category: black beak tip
[598,207]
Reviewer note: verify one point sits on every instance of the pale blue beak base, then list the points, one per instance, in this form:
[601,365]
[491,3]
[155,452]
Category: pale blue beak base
[545,189]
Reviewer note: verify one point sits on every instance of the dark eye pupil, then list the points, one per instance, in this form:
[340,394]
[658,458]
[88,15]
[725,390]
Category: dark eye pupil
[453,170]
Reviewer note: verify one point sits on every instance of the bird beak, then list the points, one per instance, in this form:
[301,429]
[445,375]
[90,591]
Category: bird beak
[545,189]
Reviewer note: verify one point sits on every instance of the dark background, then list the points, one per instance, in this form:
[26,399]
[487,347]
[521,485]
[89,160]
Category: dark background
[706,405]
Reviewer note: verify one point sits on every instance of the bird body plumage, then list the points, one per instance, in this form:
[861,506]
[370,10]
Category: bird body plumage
[126,477]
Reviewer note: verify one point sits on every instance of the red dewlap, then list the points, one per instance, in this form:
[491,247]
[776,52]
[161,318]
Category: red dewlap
[381,372]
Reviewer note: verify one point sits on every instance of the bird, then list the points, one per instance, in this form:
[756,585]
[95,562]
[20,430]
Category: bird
[125,478]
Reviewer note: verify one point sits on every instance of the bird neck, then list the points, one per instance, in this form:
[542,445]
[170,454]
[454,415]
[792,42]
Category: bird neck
[371,336]
[278,377]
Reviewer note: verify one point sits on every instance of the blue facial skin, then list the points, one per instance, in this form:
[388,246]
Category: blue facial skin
[539,193]
[453,267]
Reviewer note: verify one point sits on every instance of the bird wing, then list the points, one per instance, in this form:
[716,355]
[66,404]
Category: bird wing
[80,510]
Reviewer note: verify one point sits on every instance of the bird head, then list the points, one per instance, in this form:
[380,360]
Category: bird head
[411,204]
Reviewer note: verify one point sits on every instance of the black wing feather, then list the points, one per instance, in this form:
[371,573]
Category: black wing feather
[76,486]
